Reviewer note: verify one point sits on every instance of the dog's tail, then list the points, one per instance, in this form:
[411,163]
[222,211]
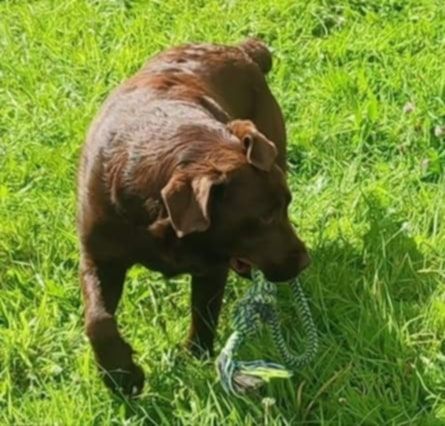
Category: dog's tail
[258,52]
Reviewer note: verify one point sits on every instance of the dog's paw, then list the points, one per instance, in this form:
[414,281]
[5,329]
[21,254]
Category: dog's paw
[128,381]
[199,350]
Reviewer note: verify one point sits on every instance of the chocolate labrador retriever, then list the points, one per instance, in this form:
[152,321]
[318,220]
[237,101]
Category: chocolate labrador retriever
[183,171]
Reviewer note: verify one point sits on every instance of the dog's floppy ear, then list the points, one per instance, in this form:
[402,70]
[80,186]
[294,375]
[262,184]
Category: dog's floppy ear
[187,201]
[260,151]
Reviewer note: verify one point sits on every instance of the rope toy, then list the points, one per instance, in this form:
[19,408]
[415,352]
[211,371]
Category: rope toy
[258,307]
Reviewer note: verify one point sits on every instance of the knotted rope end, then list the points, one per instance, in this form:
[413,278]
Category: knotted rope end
[257,307]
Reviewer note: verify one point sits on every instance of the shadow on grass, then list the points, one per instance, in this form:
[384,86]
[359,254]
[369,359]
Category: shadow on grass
[369,299]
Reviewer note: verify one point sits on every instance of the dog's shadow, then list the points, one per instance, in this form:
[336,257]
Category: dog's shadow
[366,296]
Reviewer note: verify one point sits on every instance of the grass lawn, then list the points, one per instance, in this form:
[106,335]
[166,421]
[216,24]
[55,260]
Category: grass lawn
[362,86]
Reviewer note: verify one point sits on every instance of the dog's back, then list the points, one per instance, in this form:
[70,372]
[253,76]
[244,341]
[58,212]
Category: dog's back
[204,84]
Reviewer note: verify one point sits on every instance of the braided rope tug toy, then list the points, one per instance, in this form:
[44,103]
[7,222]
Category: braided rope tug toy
[258,307]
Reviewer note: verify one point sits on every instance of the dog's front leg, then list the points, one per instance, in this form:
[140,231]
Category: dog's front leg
[206,299]
[102,284]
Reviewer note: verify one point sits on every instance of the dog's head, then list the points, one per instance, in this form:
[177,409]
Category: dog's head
[236,200]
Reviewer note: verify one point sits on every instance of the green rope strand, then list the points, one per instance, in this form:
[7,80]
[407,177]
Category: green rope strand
[256,308]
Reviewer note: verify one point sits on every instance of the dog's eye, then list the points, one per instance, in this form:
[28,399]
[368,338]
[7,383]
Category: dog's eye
[268,218]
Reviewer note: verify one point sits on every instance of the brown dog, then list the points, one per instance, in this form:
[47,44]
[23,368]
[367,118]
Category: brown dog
[183,171]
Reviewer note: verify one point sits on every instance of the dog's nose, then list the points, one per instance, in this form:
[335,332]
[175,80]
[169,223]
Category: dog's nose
[294,264]
[303,260]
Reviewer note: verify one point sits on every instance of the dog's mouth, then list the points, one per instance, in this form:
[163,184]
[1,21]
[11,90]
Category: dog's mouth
[241,265]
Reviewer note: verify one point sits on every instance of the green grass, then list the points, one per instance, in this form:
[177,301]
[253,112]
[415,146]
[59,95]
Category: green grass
[369,198]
